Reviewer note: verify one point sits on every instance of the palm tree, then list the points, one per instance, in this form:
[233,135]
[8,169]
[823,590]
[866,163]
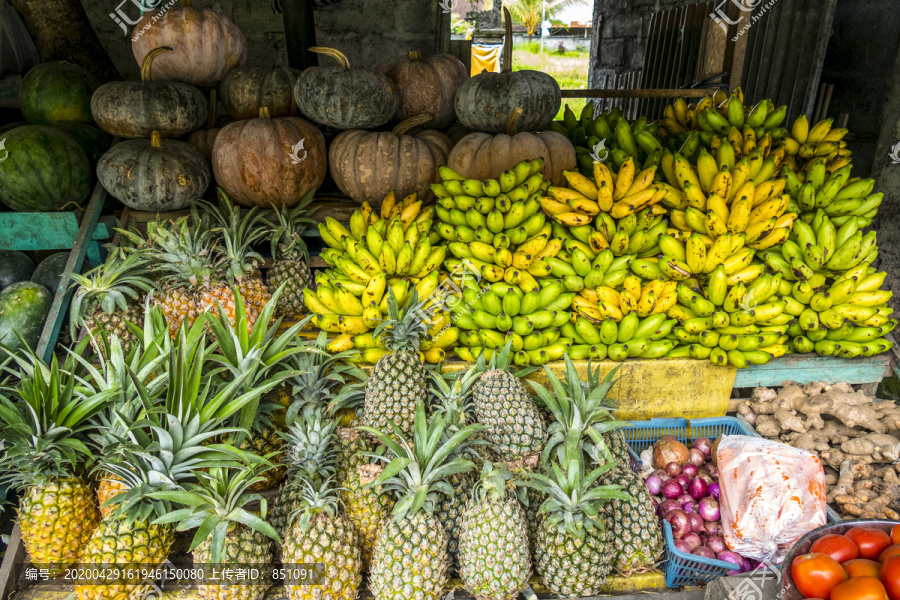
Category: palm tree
[530,12]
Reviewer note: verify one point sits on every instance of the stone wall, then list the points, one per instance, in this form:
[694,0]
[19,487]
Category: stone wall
[369,32]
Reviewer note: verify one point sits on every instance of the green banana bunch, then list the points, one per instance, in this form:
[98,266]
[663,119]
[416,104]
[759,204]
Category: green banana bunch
[636,234]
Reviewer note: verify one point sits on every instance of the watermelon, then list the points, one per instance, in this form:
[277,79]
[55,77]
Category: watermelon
[14,267]
[92,140]
[49,272]
[55,92]
[44,170]
[24,308]
[10,126]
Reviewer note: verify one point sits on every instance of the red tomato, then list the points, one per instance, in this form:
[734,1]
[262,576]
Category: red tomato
[869,541]
[816,574]
[890,577]
[862,566]
[859,588]
[838,547]
[888,552]
[895,534]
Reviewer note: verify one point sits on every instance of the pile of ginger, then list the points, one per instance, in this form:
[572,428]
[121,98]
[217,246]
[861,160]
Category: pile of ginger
[857,438]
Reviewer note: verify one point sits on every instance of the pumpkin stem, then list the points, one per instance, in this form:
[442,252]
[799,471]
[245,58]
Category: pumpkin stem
[185,3]
[414,121]
[264,112]
[513,120]
[155,139]
[335,54]
[414,55]
[211,121]
[506,62]
[148,61]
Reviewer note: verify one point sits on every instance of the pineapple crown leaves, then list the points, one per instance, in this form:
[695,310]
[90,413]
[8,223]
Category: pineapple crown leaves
[403,327]
[110,286]
[184,252]
[287,236]
[237,233]
[310,446]
[47,428]
[421,466]
[215,503]
[259,353]
[451,394]
[573,505]
[314,502]
[493,484]
[501,360]
[579,410]
[322,372]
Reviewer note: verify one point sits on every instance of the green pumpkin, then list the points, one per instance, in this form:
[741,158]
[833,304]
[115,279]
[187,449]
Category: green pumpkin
[24,308]
[43,170]
[56,92]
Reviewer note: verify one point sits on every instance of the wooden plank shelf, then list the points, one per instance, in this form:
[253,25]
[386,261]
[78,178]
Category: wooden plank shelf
[804,368]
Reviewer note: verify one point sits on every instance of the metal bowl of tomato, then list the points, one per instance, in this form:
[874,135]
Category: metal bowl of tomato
[803,545]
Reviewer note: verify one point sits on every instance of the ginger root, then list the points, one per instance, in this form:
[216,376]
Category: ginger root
[872,443]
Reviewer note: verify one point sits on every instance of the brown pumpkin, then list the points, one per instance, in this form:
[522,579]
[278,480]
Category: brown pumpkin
[245,90]
[204,139]
[428,86]
[207,44]
[486,101]
[265,162]
[484,156]
[367,165]
[138,108]
[345,98]
[152,175]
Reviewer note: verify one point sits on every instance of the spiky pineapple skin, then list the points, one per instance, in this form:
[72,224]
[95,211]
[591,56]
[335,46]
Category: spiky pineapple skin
[264,442]
[288,501]
[396,385]
[350,446]
[449,510]
[332,543]
[114,324]
[136,545]
[365,509]
[495,563]
[244,548]
[571,567]
[295,273]
[637,539]
[410,559]
[111,485]
[178,305]
[515,426]
[56,522]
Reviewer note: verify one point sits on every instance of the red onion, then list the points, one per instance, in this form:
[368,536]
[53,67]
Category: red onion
[696,457]
[681,524]
[714,472]
[697,488]
[661,473]
[667,506]
[734,558]
[690,470]
[692,540]
[690,506]
[683,480]
[705,476]
[673,469]
[714,490]
[703,538]
[747,565]
[654,484]
[697,523]
[672,489]
[685,497]
[704,552]
[713,528]
[716,543]
[681,545]
[704,445]
[709,509]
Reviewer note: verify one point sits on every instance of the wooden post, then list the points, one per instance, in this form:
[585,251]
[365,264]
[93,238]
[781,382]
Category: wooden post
[299,33]
[62,31]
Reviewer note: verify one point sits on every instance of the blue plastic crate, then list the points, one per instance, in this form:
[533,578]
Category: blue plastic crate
[680,567]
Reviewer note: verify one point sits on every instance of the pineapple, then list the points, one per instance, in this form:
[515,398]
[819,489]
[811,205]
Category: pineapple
[574,549]
[515,427]
[46,445]
[493,544]
[410,558]
[260,360]
[309,458]
[168,451]
[319,536]
[397,383]
[231,535]
[290,258]
[108,298]
[365,507]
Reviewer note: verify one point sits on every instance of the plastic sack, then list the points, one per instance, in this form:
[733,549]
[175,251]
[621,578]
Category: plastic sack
[771,494]
[17,50]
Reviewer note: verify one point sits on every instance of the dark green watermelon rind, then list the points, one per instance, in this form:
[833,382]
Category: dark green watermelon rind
[24,307]
[55,92]
[15,266]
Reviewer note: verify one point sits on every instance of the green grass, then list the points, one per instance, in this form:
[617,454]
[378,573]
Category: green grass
[570,69]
